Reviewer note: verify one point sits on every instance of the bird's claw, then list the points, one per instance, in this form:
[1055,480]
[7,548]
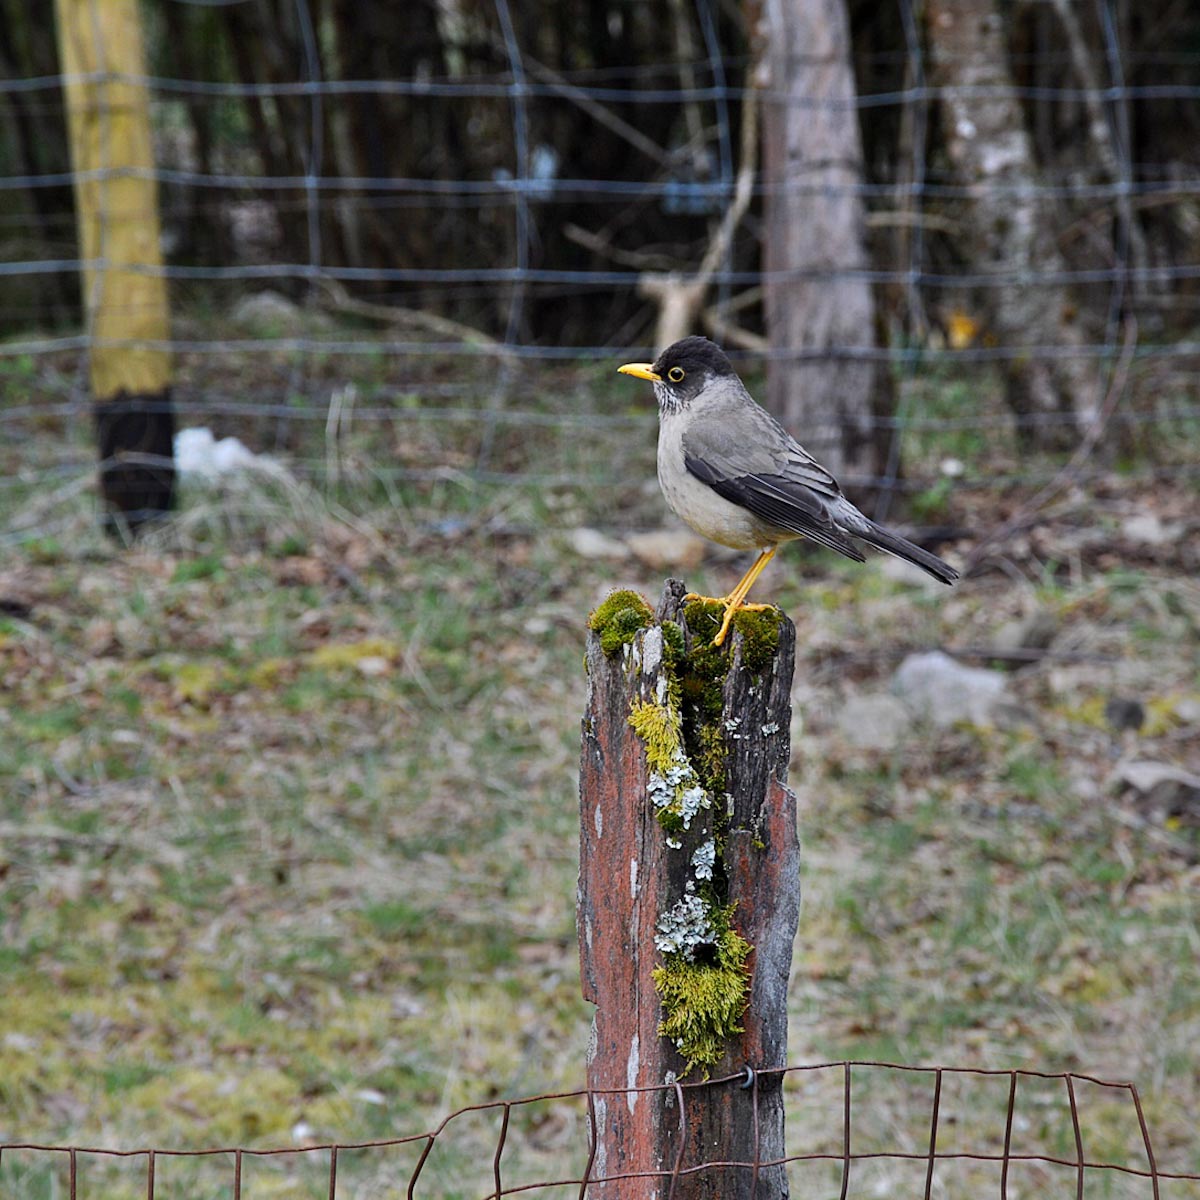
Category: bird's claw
[731,611]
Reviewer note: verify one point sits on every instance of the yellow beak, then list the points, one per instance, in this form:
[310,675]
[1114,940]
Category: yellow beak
[640,371]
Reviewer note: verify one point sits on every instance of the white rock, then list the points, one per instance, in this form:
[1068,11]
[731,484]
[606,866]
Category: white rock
[666,548]
[1147,777]
[591,543]
[1150,530]
[936,688]
[874,722]
[1033,632]
[373,664]
[900,570]
[302,1131]
[265,308]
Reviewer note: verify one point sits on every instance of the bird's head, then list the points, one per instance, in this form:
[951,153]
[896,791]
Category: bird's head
[681,371]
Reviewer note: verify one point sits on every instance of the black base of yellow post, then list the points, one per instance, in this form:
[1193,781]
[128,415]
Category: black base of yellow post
[137,459]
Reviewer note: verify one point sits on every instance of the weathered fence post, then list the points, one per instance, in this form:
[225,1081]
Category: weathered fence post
[689,896]
[124,291]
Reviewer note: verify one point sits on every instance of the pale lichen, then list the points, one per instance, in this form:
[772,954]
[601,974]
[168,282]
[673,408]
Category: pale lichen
[704,859]
[686,926]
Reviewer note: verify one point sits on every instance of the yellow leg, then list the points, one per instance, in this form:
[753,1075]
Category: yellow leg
[736,599]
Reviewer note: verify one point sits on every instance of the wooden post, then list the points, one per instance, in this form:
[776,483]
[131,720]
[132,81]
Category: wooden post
[124,292]
[678,733]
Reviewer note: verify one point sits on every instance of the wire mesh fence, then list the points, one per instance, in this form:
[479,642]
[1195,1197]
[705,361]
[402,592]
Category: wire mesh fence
[476,285]
[854,1128]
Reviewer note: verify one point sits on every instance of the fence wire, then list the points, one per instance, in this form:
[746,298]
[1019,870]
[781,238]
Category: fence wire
[835,1104]
[475,341]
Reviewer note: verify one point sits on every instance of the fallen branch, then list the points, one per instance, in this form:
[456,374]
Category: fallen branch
[595,110]
[724,330]
[640,260]
[679,296]
[341,301]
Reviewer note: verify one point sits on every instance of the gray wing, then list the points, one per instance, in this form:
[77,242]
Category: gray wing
[748,458]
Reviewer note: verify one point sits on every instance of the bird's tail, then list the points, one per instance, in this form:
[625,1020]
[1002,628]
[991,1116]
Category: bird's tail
[863,527]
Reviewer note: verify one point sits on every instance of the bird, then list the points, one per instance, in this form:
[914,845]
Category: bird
[737,477]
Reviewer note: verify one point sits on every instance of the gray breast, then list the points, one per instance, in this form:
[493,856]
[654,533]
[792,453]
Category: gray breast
[697,504]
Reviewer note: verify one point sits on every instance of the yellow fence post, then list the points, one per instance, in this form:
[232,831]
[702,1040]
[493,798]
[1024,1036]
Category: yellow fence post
[125,293]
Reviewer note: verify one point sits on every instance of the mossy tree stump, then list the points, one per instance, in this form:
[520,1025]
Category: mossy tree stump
[689,894]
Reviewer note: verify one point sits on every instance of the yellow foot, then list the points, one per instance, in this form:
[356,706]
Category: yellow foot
[731,610]
[732,607]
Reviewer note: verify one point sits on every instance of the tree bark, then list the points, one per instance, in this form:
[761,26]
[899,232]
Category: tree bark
[1011,224]
[828,386]
[631,876]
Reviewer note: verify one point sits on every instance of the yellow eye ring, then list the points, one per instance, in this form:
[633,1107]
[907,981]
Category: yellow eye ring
[676,374]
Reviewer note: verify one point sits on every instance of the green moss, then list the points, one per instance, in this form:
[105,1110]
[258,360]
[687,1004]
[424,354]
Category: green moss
[659,727]
[703,1002]
[709,757]
[619,618]
[673,648]
[704,619]
[760,634]
[759,630]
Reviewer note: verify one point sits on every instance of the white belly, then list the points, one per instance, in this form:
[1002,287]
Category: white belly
[697,504]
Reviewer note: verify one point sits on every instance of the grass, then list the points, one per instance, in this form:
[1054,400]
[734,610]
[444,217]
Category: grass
[289,825]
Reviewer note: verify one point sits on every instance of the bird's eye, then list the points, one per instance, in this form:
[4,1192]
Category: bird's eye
[676,374]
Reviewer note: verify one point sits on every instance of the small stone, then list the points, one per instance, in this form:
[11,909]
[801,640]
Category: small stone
[1162,791]
[1146,777]
[265,308]
[665,549]
[1150,529]
[302,1131]
[1033,632]
[100,638]
[874,722]
[935,687]
[1122,713]
[591,543]
[900,570]
[271,312]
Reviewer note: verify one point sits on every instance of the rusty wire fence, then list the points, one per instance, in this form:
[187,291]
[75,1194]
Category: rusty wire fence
[860,1128]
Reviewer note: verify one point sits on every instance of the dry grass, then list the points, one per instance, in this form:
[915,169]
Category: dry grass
[288,829]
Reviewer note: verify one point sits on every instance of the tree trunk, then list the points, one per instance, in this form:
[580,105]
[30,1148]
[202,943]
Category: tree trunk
[1011,226]
[726,714]
[828,387]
